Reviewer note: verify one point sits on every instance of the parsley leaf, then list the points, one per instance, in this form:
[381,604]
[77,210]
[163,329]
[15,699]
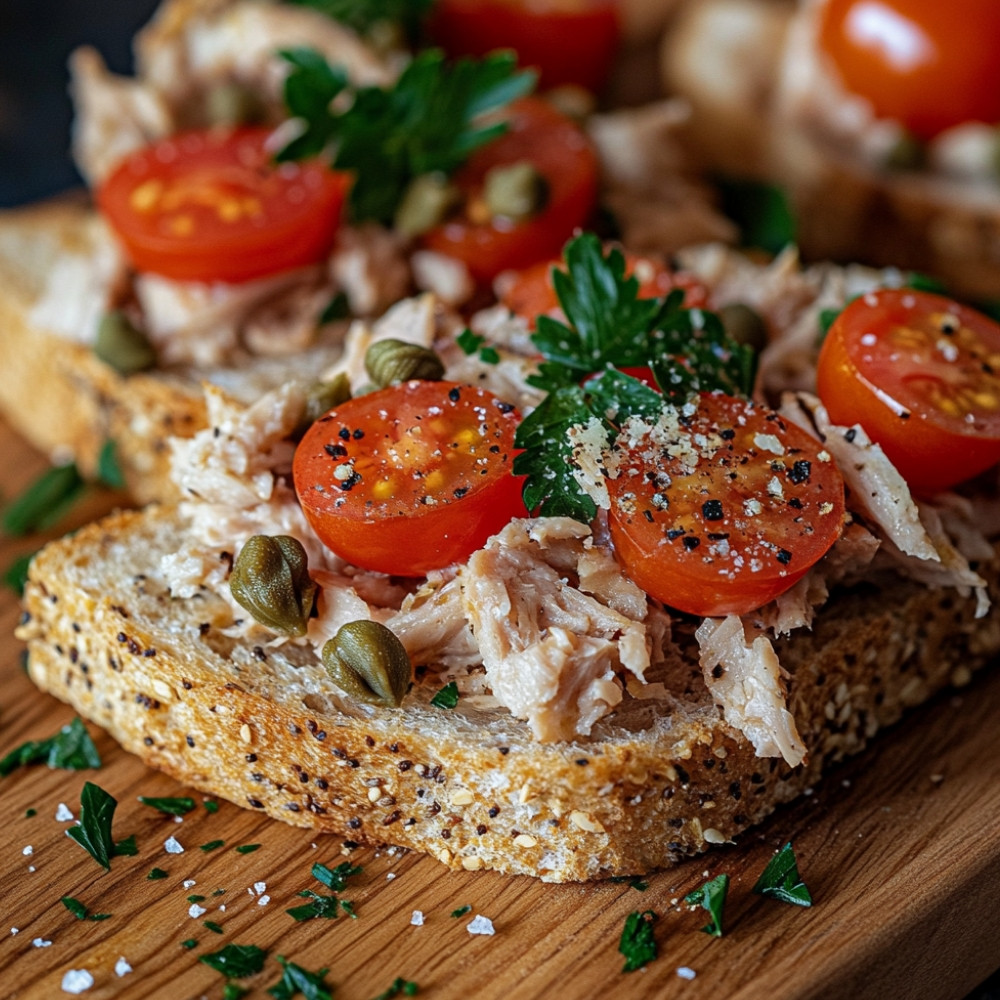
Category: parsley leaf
[427,122]
[609,327]
[211,925]
[171,806]
[233,991]
[399,985]
[109,470]
[71,749]
[637,943]
[44,502]
[295,980]
[781,879]
[447,697]
[635,882]
[212,845]
[247,848]
[326,906]
[93,833]
[335,878]
[364,15]
[79,910]
[15,575]
[469,342]
[190,943]
[127,848]
[712,897]
[155,874]
[461,911]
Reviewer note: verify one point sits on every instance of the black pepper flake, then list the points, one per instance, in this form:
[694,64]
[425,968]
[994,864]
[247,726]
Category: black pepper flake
[800,471]
[292,807]
[186,685]
[338,753]
[259,653]
[454,394]
[459,492]
[147,740]
[344,434]
[795,503]
[505,407]
[691,542]
[335,450]
[648,515]
[189,740]
[348,484]
[850,434]
[682,774]
[582,761]
[481,829]
[446,833]
[354,823]
[294,729]
[504,750]
[784,557]
[711,510]
[122,637]
[717,671]
[494,811]
[251,758]
[322,784]
[717,536]
[353,763]
[149,652]
[405,765]
[392,817]
[676,533]
[369,741]
[255,803]
[257,777]
[728,434]
[735,792]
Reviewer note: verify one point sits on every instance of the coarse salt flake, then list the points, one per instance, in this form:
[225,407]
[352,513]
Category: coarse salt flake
[15,930]
[172,846]
[481,925]
[260,888]
[28,851]
[41,943]
[417,920]
[264,900]
[195,911]
[64,814]
[685,973]
[390,876]
[76,981]
[122,968]
[188,882]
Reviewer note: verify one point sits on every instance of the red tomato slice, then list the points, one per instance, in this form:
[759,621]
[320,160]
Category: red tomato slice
[562,154]
[925,63]
[410,478]
[530,292]
[212,206]
[568,41]
[727,514]
[921,374]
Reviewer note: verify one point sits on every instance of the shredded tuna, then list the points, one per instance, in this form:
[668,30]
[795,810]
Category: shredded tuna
[749,689]
[551,652]
[369,264]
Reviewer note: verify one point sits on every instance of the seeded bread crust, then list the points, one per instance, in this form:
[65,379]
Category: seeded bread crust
[264,728]
[59,396]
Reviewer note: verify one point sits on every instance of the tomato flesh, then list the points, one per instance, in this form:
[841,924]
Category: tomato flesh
[927,64]
[210,206]
[410,478]
[562,154]
[921,374]
[567,41]
[530,293]
[726,512]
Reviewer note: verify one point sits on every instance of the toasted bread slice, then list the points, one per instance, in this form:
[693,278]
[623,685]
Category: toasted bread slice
[66,401]
[264,727]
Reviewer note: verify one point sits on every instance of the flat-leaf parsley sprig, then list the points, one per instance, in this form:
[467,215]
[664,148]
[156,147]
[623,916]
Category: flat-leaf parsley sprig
[428,122]
[609,327]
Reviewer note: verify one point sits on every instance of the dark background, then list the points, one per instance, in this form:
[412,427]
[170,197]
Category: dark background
[36,38]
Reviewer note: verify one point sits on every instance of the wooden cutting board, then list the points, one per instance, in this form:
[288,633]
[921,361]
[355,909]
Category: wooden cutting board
[900,848]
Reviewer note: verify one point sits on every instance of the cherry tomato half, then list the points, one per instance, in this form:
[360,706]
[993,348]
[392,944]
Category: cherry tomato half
[410,478]
[924,63]
[211,205]
[562,154]
[568,41]
[921,374]
[530,292]
[728,513]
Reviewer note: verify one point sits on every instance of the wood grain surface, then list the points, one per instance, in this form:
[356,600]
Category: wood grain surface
[900,848]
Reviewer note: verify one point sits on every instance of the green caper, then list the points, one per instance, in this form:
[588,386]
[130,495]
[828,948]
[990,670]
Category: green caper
[369,662]
[515,192]
[744,325]
[231,103]
[907,153]
[390,361]
[320,397]
[271,580]
[428,199]
[122,345]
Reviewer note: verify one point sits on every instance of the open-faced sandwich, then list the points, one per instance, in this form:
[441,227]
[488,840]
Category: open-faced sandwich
[880,119]
[270,174]
[570,594]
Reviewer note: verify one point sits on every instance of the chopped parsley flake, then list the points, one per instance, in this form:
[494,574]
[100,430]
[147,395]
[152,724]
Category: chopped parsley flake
[109,470]
[295,980]
[233,991]
[212,845]
[399,986]
[93,833]
[190,943]
[247,848]
[71,749]
[447,697]
[781,880]
[637,942]
[211,806]
[712,897]
[212,926]
[469,342]
[156,874]
[172,807]
[634,881]
[461,911]
[16,574]
[326,906]
[44,502]
[79,910]
[236,960]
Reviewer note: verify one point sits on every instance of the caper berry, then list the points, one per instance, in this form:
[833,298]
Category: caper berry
[515,192]
[122,345]
[321,397]
[390,361]
[270,579]
[428,199]
[744,325]
[369,662]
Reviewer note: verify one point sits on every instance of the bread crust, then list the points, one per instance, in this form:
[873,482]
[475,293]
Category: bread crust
[262,727]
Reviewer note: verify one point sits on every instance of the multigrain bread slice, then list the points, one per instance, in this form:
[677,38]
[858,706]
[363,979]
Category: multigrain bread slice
[658,780]
[738,63]
[67,402]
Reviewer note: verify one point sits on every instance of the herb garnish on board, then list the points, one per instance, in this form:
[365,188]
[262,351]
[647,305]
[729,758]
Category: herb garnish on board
[71,749]
[93,833]
[428,122]
[363,16]
[608,327]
